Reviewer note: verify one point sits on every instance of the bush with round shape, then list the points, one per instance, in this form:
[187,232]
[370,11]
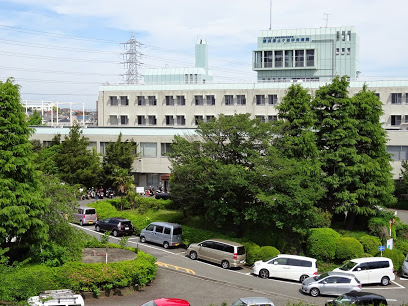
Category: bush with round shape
[402,245]
[370,244]
[268,252]
[348,248]
[252,252]
[321,243]
[396,256]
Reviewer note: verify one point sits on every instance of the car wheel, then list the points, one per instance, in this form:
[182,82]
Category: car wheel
[97,228]
[166,245]
[115,233]
[303,277]
[224,264]
[385,281]
[81,222]
[142,239]
[193,255]
[314,292]
[264,273]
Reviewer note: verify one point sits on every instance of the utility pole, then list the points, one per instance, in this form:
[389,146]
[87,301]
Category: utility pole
[327,18]
[131,62]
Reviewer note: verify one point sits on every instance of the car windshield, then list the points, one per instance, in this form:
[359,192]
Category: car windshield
[348,266]
[320,276]
[344,300]
[151,303]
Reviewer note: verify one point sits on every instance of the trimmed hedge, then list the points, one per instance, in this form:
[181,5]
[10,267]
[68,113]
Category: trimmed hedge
[348,248]
[252,252]
[18,284]
[370,244]
[268,252]
[322,242]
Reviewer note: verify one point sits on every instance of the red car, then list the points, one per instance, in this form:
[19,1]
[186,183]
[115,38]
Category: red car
[167,302]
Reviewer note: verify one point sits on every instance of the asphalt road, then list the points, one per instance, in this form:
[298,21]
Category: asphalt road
[203,283]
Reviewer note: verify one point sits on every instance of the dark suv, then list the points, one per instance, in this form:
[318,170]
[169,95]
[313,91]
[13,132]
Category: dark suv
[358,298]
[118,226]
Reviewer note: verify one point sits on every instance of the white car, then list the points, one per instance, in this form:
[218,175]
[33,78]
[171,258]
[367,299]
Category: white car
[291,267]
[63,297]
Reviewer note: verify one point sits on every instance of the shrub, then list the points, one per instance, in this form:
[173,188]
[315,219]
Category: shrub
[19,284]
[348,248]
[396,256]
[321,243]
[267,252]
[370,244]
[379,226]
[402,245]
[252,252]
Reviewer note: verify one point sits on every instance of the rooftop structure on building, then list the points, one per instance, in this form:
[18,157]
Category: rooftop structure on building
[308,54]
[190,75]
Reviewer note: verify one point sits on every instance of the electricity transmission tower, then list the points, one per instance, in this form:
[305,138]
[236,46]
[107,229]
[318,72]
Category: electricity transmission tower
[131,58]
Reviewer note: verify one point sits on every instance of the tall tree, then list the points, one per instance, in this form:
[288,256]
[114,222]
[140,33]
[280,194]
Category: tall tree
[123,182]
[76,164]
[118,154]
[35,118]
[22,204]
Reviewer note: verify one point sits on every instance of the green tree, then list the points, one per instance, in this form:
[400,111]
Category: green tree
[118,154]
[237,177]
[76,164]
[35,118]
[123,182]
[22,204]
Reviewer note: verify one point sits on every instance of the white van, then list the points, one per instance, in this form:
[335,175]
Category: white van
[63,297]
[370,270]
[292,267]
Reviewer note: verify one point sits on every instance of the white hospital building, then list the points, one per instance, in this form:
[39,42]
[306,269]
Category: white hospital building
[173,100]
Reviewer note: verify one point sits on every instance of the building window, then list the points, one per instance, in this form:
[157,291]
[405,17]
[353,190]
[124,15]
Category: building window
[309,58]
[241,100]
[181,100]
[272,118]
[199,100]
[124,120]
[229,100]
[262,118]
[348,51]
[272,99]
[260,100]
[103,146]
[181,120]
[289,58]
[169,100]
[337,51]
[195,79]
[148,149]
[278,59]
[396,98]
[406,98]
[398,152]
[395,120]
[210,100]
[166,148]
[209,118]
[343,50]
[349,36]
[152,179]
[268,59]
[299,58]
[113,100]
[113,120]
[152,120]
[141,120]
[124,101]
[338,35]
[377,95]
[169,120]
[152,100]
[198,119]
[186,78]
[141,100]
[343,35]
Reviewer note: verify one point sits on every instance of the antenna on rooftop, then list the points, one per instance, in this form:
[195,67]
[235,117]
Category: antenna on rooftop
[270,15]
[327,18]
[131,60]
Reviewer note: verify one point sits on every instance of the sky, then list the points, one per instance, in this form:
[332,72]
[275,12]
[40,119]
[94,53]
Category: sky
[63,50]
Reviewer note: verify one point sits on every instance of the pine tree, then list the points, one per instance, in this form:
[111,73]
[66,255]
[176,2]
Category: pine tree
[21,203]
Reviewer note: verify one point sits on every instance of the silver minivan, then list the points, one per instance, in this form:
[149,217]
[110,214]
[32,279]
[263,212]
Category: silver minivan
[163,233]
[223,252]
[86,215]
